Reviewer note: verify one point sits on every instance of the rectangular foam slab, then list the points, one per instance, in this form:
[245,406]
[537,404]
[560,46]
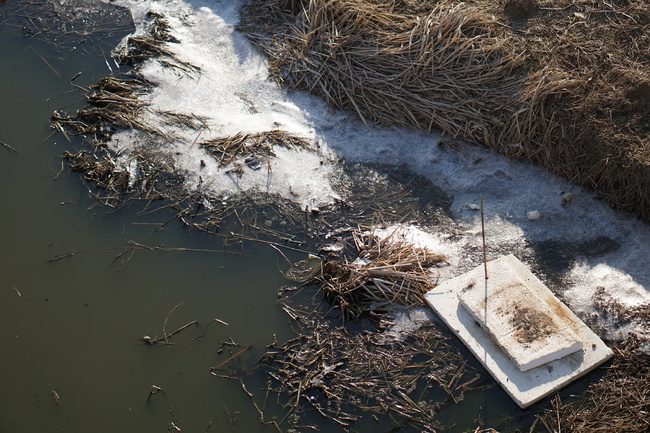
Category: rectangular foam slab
[582,352]
[530,330]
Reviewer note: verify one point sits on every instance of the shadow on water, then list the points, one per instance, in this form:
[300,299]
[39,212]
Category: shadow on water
[553,259]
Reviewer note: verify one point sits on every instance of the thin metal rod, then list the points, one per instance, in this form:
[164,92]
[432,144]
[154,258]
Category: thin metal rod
[484,247]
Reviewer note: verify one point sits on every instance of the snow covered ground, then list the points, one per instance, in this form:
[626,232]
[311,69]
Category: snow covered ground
[542,219]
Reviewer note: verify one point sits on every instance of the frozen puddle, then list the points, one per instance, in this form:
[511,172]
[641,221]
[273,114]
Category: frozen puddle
[227,93]
[530,342]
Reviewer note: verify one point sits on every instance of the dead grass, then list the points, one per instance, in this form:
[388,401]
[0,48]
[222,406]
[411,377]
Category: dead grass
[102,172]
[346,376]
[564,84]
[384,273]
[156,42]
[619,402]
[112,104]
[251,145]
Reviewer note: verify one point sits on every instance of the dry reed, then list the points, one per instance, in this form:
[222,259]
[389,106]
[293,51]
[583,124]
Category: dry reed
[619,402]
[260,144]
[155,43]
[384,273]
[102,172]
[459,69]
[112,105]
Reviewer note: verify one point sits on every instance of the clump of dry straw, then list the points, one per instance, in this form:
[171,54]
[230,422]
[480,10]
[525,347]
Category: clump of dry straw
[386,272]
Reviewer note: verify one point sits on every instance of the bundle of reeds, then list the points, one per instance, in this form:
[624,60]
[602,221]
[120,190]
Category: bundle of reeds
[385,273]
[112,105]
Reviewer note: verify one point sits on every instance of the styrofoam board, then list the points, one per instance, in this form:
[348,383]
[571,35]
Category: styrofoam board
[528,329]
[528,387]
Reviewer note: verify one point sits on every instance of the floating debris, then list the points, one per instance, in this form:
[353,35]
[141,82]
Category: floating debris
[343,374]
[385,272]
[9,148]
[304,270]
[55,396]
[61,256]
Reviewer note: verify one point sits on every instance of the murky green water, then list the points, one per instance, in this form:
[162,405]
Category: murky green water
[75,325]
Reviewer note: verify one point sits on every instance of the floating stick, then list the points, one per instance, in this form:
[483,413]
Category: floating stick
[230,359]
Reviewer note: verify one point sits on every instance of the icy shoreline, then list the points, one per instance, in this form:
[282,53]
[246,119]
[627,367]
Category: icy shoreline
[528,212]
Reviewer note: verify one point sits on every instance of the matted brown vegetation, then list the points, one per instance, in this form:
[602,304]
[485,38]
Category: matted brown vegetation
[154,43]
[343,374]
[113,104]
[619,402]
[385,272]
[102,172]
[346,375]
[251,145]
[562,83]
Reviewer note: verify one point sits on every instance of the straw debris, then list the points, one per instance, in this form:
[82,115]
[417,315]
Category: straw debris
[113,105]
[116,185]
[617,403]
[342,374]
[384,273]
[101,172]
[184,121]
[67,26]
[562,84]
[154,43]
[251,146]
